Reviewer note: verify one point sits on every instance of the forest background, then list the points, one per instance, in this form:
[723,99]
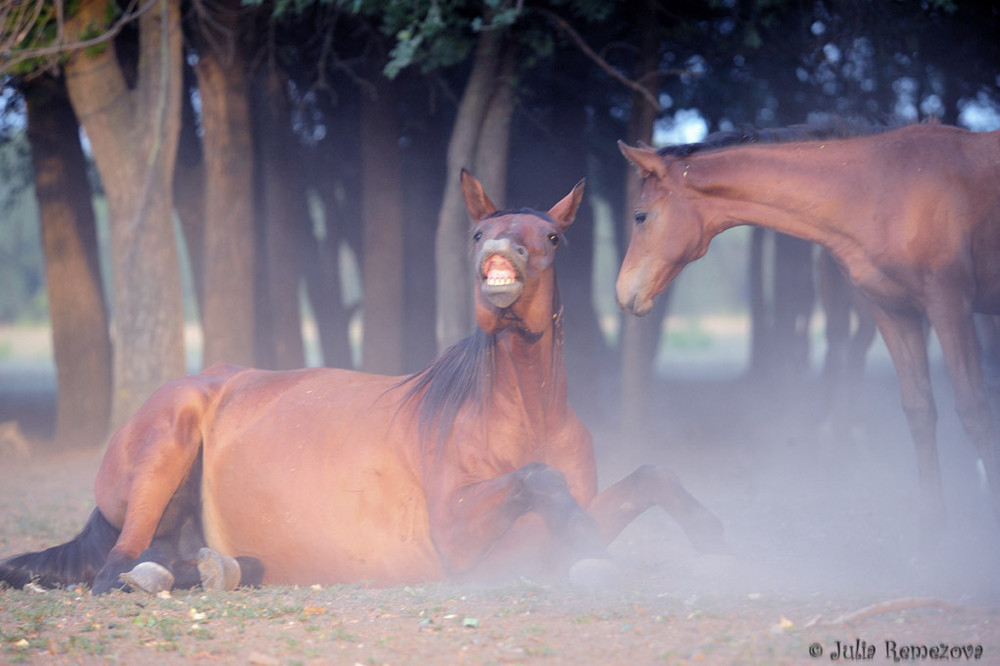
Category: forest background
[279,178]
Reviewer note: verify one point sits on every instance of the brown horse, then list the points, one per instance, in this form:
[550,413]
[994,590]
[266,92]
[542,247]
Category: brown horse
[475,466]
[912,215]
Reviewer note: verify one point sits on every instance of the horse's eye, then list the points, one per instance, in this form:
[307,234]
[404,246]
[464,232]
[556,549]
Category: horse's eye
[640,217]
[554,239]
[476,236]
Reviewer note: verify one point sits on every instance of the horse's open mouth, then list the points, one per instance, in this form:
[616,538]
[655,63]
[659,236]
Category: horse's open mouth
[501,283]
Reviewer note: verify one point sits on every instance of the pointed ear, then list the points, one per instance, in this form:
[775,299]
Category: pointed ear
[476,201]
[645,159]
[564,211]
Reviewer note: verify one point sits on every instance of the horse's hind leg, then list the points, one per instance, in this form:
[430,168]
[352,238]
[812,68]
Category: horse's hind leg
[147,463]
[648,486]
[906,340]
[957,334]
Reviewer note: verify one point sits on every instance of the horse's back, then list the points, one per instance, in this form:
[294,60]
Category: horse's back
[314,473]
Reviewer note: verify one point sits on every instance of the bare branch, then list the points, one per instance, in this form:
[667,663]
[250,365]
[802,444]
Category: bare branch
[12,40]
[601,62]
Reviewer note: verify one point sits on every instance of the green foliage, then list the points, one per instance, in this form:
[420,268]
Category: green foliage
[434,34]
[30,27]
[428,34]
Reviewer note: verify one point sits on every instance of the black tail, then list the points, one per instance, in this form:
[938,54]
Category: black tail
[76,561]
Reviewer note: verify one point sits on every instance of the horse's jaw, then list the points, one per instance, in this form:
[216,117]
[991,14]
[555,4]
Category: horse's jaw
[502,266]
[502,283]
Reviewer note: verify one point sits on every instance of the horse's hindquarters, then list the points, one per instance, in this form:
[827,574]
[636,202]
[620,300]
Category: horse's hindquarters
[317,493]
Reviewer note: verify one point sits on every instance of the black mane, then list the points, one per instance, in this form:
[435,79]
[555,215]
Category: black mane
[462,374]
[829,127]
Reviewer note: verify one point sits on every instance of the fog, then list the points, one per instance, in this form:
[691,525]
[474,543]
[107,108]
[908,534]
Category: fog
[814,506]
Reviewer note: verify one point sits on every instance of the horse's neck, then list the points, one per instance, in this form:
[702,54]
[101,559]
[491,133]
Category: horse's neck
[803,190]
[530,375]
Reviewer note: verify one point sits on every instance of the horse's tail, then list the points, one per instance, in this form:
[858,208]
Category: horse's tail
[76,561]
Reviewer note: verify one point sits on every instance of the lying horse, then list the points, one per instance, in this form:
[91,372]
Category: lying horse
[911,215]
[474,466]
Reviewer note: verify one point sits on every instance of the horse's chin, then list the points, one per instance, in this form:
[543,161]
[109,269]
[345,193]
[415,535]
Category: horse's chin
[503,296]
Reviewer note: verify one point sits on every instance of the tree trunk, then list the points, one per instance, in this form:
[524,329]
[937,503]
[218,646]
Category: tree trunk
[454,300]
[493,144]
[133,134]
[77,309]
[228,307]
[760,324]
[640,336]
[282,226]
[794,298]
[382,226]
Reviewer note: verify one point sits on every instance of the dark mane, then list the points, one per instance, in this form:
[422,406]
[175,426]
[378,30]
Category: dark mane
[461,375]
[829,127]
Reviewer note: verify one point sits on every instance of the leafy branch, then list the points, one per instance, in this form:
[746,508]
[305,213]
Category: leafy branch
[32,32]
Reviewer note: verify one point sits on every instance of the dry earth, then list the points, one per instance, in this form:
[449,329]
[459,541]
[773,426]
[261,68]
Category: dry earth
[820,518]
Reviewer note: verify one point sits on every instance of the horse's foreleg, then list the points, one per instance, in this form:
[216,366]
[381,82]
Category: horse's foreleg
[648,486]
[478,521]
[906,340]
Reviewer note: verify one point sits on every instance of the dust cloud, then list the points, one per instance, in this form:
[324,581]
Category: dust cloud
[815,507]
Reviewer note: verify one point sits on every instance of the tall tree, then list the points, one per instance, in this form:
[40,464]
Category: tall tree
[640,336]
[227,306]
[282,223]
[81,346]
[451,260]
[132,122]
[382,218]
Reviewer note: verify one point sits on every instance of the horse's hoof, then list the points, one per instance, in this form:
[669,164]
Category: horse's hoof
[149,577]
[594,572]
[218,571]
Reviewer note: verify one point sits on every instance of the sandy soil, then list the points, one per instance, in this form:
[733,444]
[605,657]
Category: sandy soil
[820,516]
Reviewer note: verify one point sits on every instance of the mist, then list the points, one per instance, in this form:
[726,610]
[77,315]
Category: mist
[819,499]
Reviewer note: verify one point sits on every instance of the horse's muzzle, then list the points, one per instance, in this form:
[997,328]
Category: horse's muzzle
[633,300]
[501,271]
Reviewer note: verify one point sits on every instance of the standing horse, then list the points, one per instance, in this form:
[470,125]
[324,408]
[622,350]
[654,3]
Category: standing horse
[474,466]
[912,216]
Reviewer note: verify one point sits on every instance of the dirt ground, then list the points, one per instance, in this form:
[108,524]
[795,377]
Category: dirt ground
[820,516]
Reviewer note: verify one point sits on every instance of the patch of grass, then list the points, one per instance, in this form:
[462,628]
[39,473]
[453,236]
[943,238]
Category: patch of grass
[77,645]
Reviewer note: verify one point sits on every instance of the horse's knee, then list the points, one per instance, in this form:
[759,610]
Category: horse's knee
[543,489]
[702,527]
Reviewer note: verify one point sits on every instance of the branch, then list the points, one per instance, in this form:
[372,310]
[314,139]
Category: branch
[14,56]
[601,62]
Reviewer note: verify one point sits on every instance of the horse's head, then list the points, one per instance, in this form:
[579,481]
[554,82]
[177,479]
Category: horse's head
[668,233]
[513,259]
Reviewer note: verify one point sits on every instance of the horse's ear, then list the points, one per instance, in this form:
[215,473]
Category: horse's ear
[646,159]
[476,201]
[564,211]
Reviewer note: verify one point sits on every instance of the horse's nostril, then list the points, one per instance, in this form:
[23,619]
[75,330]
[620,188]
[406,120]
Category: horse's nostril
[521,250]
